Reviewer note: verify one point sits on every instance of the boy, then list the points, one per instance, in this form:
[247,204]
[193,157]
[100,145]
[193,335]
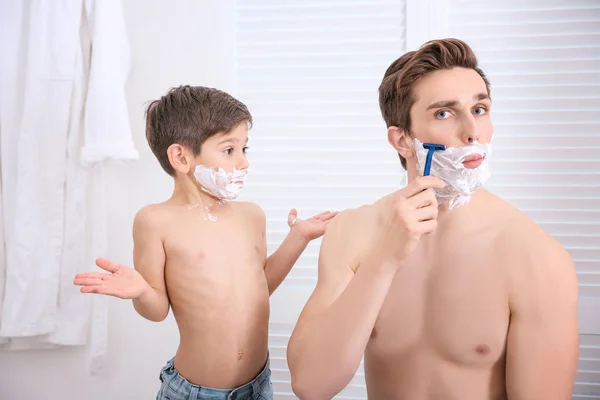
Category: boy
[203,255]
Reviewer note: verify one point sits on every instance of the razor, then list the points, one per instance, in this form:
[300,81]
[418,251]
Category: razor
[431,149]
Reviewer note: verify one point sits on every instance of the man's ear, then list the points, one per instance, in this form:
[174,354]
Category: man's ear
[179,158]
[401,141]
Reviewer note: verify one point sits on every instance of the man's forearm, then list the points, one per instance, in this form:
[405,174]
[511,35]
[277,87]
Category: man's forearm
[326,349]
[152,305]
[281,261]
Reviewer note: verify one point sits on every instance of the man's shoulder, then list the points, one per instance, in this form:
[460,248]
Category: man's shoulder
[351,219]
[520,231]
[532,251]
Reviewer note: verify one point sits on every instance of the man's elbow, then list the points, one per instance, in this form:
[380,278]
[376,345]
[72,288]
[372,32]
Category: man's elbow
[316,388]
[312,382]
[304,392]
[308,389]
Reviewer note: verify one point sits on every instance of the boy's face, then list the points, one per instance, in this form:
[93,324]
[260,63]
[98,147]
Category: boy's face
[227,151]
[452,108]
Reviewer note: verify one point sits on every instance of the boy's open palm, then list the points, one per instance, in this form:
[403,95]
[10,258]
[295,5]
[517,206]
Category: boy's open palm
[312,227]
[121,281]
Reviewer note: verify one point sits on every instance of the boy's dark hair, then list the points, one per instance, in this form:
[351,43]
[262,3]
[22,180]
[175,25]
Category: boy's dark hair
[189,115]
[396,96]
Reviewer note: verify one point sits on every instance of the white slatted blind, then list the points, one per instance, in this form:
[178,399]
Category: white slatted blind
[309,72]
[543,60]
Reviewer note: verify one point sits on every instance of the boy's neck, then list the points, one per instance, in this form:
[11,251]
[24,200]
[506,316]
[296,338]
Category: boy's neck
[187,192]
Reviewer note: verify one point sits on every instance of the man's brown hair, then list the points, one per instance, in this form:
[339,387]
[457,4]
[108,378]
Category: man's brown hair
[189,115]
[396,96]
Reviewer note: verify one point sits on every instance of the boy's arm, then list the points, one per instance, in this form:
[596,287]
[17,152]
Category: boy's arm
[279,264]
[149,260]
[145,284]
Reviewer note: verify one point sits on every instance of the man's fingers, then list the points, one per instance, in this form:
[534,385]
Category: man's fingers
[423,199]
[426,213]
[426,226]
[420,184]
[107,265]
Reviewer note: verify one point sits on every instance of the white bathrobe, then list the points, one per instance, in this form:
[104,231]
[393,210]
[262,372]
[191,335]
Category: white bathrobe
[63,113]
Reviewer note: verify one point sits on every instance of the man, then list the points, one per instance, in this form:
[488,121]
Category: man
[447,290]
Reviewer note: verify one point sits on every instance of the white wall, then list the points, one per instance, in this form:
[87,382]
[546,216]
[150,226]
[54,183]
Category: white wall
[172,43]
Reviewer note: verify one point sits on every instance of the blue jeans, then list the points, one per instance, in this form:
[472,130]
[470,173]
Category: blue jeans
[176,387]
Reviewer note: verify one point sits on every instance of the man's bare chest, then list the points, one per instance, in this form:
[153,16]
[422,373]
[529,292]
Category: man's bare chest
[454,305]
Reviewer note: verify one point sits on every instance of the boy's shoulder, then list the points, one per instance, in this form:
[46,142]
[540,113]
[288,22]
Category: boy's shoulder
[151,214]
[249,208]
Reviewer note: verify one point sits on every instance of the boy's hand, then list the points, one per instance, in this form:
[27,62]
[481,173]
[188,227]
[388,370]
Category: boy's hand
[122,281]
[311,228]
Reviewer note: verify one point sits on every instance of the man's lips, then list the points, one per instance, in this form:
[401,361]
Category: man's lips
[473,161]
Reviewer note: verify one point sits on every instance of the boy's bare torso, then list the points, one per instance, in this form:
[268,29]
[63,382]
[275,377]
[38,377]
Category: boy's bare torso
[218,292]
[442,330]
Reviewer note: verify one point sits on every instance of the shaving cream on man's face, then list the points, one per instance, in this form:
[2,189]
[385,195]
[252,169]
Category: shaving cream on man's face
[223,185]
[461,182]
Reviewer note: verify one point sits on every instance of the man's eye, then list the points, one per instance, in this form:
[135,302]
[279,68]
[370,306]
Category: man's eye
[442,114]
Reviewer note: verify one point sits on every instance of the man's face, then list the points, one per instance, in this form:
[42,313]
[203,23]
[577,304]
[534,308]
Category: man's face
[227,151]
[452,108]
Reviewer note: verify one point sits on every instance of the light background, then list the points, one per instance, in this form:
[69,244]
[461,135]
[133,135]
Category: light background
[309,72]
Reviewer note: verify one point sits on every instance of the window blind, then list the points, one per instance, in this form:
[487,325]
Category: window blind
[309,72]
[543,60]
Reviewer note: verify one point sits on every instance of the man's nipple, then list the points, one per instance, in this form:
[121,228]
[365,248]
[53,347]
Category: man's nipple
[482,349]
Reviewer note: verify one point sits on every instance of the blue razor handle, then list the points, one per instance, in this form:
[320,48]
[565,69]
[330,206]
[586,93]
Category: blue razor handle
[432,148]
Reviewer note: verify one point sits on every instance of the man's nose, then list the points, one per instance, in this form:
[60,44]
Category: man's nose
[469,130]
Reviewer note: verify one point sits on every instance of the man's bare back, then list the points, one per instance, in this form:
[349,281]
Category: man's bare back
[216,284]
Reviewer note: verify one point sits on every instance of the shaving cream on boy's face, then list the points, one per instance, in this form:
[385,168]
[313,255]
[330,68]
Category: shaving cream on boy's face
[223,185]
[461,182]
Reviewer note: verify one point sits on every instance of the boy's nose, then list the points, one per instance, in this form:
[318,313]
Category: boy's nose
[243,164]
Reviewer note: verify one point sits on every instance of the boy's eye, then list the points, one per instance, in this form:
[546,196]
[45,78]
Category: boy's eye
[245,149]
[228,151]
[480,111]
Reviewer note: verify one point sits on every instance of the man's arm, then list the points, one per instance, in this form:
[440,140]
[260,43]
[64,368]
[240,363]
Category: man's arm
[334,328]
[359,258]
[149,260]
[543,339]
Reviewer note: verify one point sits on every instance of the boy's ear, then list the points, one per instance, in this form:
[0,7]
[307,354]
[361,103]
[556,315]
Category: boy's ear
[401,141]
[179,158]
